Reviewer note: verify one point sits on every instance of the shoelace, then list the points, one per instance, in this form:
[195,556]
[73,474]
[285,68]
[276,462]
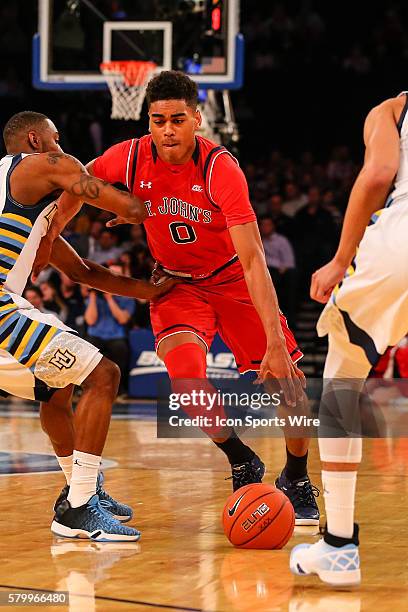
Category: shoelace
[106,498]
[102,516]
[304,495]
[241,473]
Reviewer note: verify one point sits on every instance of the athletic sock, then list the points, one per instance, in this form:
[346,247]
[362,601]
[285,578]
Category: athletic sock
[296,467]
[236,450]
[83,480]
[65,464]
[339,492]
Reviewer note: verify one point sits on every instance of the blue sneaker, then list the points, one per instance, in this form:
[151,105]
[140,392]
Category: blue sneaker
[121,512]
[247,473]
[338,566]
[302,495]
[90,521]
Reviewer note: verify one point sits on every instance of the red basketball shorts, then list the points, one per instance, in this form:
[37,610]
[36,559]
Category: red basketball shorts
[220,304]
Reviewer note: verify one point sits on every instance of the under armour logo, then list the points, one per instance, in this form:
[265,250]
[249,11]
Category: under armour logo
[63,359]
[196,188]
[76,462]
[143,184]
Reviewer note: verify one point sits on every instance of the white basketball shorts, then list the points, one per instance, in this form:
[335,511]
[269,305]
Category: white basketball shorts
[370,307]
[38,352]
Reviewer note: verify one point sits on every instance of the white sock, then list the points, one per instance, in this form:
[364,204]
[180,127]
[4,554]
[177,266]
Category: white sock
[65,464]
[83,480]
[339,492]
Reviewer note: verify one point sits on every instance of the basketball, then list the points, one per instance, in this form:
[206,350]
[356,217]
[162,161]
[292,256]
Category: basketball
[258,516]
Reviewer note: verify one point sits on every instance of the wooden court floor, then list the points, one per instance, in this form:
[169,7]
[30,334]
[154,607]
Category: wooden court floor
[183,561]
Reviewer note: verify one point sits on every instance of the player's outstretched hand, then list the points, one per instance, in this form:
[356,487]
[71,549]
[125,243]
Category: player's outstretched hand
[325,279]
[118,221]
[277,363]
[42,257]
[163,285]
[157,274]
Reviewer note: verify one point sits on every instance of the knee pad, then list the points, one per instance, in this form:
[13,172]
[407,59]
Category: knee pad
[186,361]
[341,450]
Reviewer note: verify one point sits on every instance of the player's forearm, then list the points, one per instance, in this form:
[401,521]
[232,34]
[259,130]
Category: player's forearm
[100,278]
[68,207]
[263,296]
[367,196]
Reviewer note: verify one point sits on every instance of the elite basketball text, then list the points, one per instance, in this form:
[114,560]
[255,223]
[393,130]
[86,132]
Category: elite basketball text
[255,517]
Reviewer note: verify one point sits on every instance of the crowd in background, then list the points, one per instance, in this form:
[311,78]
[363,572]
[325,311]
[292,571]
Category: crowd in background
[321,83]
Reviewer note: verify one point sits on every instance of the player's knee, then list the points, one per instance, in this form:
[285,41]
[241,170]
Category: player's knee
[341,450]
[186,361]
[104,378]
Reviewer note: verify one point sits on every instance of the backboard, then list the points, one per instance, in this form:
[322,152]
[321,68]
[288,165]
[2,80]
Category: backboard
[200,37]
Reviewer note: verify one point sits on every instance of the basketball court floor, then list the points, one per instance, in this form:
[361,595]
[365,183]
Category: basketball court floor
[183,560]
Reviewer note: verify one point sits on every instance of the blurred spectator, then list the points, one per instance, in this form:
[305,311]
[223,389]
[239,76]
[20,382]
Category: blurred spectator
[106,248]
[74,302]
[126,261]
[280,260]
[340,166]
[34,295]
[78,241]
[356,61]
[107,317]
[94,234]
[259,199]
[136,238]
[329,204]
[316,238]
[52,300]
[283,224]
[293,200]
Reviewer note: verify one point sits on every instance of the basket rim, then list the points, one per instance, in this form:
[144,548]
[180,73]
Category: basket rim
[121,66]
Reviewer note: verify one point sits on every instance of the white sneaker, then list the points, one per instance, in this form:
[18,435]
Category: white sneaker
[336,566]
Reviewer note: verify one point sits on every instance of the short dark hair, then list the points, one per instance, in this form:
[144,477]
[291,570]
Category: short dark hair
[265,218]
[24,121]
[36,290]
[172,85]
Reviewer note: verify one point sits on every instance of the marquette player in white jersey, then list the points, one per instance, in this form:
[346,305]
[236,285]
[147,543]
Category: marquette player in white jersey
[40,357]
[366,311]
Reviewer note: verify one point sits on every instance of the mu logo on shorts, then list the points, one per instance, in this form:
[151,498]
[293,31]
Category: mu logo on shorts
[63,359]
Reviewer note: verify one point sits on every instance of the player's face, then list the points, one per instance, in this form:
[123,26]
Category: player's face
[173,124]
[49,137]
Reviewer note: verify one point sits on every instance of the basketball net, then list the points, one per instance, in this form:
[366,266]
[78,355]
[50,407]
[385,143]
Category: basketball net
[127,82]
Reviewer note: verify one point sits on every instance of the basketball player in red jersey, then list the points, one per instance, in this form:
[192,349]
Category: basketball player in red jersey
[201,227]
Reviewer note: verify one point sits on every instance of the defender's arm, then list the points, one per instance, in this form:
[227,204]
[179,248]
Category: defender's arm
[368,194]
[64,258]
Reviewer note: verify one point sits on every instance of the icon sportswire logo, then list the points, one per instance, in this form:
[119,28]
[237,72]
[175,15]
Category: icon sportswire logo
[231,511]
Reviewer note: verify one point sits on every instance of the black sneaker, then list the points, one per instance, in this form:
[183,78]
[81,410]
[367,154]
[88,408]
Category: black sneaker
[302,495]
[247,473]
[121,512]
[90,521]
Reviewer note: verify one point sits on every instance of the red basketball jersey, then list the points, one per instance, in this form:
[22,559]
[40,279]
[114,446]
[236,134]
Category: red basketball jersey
[190,206]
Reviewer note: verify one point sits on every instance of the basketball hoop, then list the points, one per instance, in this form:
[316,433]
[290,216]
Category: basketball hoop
[127,82]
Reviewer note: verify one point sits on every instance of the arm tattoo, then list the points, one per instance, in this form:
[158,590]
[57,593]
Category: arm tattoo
[53,157]
[87,187]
